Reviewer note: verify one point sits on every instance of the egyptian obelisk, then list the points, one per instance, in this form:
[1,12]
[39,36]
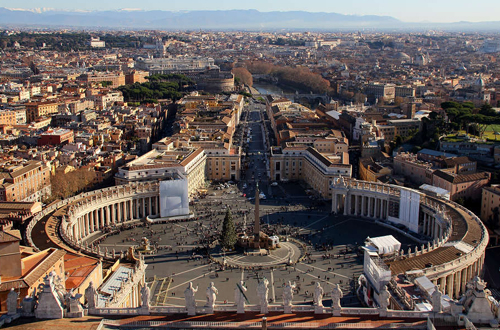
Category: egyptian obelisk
[256,227]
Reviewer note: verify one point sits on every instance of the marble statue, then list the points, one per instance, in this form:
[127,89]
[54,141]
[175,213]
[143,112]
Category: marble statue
[318,295]
[145,293]
[262,293]
[436,300]
[337,294]
[212,293]
[189,296]
[12,302]
[91,296]
[240,297]
[288,297]
[384,298]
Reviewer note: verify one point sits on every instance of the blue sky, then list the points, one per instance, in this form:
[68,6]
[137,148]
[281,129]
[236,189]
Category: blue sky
[408,11]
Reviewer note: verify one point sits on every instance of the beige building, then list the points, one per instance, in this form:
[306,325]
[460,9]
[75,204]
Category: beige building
[35,110]
[27,182]
[307,164]
[116,79]
[371,171]
[467,186]
[162,164]
[489,202]
[417,171]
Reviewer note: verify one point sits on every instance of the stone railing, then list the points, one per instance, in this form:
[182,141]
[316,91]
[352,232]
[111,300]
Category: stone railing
[256,325]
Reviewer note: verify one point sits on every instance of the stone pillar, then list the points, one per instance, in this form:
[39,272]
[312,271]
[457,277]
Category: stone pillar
[458,283]
[101,216]
[347,204]
[363,205]
[108,216]
[158,205]
[91,220]
[144,207]
[119,216]
[370,207]
[451,285]
[150,206]
[443,284]
[356,205]
[86,224]
[334,202]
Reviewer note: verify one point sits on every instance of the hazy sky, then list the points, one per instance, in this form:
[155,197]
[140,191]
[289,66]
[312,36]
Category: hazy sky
[408,11]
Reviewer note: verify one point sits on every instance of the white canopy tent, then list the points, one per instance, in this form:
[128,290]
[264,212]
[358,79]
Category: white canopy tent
[385,244]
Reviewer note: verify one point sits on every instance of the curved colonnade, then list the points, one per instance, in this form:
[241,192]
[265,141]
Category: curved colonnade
[456,238]
[453,255]
[91,212]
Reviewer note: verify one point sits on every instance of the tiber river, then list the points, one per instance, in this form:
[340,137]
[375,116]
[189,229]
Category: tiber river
[264,88]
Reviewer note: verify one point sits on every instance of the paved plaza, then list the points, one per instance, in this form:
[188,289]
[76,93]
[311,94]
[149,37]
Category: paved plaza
[332,256]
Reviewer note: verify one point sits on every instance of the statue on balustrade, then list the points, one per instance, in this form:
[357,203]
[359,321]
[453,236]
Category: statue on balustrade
[384,298]
[189,296]
[12,302]
[240,297]
[288,293]
[145,294]
[91,296]
[336,296]
[262,293]
[436,300]
[212,293]
[318,295]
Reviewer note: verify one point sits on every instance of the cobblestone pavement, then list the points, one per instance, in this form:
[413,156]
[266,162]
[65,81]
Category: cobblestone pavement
[180,259]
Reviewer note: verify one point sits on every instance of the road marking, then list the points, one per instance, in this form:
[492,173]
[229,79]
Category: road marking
[191,280]
[189,270]
[323,270]
[272,286]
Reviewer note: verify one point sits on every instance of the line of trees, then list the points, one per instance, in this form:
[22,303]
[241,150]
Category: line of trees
[299,77]
[469,118]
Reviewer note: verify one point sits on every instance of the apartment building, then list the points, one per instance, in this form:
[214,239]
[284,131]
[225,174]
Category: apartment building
[35,110]
[417,171]
[309,165]
[378,90]
[369,170]
[116,79]
[8,118]
[223,164]
[24,182]
[466,186]
[490,203]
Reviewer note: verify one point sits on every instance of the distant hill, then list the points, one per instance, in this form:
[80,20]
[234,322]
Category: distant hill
[221,20]
[215,20]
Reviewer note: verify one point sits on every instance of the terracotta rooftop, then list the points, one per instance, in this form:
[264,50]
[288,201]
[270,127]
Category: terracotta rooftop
[464,228]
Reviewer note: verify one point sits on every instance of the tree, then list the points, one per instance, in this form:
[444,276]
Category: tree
[228,235]
[243,75]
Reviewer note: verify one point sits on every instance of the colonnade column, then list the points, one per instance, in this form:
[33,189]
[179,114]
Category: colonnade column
[363,205]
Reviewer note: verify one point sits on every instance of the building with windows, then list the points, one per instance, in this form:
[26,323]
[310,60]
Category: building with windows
[24,182]
[309,165]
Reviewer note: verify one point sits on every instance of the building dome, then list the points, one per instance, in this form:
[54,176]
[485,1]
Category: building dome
[402,56]
[479,82]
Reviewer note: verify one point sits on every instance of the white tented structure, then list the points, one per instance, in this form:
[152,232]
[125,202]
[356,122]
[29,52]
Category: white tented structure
[384,244]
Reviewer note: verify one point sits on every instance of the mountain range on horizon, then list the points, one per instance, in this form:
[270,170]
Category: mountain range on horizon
[252,20]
